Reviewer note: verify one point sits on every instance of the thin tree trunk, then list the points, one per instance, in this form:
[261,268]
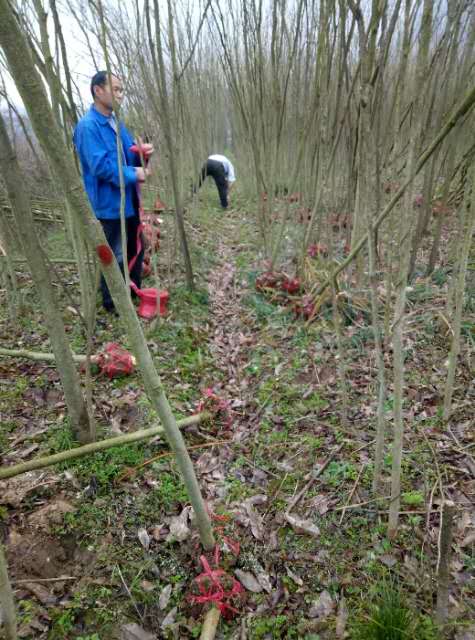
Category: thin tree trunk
[39,270]
[445,557]
[94,447]
[7,268]
[119,149]
[381,423]
[341,365]
[165,117]
[449,166]
[6,600]
[467,238]
[405,255]
[64,56]
[57,101]
[49,63]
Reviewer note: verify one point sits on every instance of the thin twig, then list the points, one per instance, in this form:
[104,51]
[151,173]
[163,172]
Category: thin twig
[352,492]
[274,496]
[436,462]
[461,448]
[314,475]
[60,579]
[364,504]
[132,471]
[129,593]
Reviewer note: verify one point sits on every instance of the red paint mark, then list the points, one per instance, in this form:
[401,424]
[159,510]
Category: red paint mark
[105,254]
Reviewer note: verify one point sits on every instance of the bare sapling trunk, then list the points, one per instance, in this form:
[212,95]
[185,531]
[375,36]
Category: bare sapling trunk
[444,560]
[405,243]
[50,74]
[378,344]
[424,212]
[65,63]
[367,185]
[94,447]
[439,219]
[454,13]
[162,106]
[34,98]
[340,356]
[41,275]
[210,624]
[466,243]
[367,43]
[58,104]
[7,268]
[120,153]
[90,325]
[7,603]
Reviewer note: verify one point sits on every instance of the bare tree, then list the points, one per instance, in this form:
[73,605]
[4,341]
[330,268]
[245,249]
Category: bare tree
[468,227]
[32,249]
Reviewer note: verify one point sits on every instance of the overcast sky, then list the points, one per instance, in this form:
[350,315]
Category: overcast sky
[81,65]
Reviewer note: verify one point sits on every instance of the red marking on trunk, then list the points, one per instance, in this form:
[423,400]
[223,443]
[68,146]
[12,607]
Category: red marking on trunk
[105,254]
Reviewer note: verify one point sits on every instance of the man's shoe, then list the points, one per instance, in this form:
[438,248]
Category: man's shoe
[110,308]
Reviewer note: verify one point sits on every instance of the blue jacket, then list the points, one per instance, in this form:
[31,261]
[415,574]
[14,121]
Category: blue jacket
[95,141]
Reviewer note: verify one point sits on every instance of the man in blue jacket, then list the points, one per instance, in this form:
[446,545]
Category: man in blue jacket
[95,139]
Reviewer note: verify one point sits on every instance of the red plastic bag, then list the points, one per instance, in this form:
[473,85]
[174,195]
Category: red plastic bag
[115,361]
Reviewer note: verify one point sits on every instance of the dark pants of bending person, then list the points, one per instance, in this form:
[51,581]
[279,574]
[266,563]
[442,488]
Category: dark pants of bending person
[215,169]
[113,235]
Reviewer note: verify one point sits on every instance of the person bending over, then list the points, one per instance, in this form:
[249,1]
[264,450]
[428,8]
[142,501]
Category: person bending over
[222,172]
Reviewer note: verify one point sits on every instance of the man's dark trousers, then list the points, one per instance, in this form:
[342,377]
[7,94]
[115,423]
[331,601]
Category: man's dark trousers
[112,232]
[215,169]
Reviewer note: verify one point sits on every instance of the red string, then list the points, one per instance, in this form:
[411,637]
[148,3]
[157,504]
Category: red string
[210,586]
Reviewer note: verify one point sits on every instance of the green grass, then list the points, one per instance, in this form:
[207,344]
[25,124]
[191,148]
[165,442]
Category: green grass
[389,617]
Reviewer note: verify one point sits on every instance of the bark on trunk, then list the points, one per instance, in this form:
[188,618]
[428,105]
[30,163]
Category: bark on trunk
[6,600]
[467,238]
[445,556]
[41,275]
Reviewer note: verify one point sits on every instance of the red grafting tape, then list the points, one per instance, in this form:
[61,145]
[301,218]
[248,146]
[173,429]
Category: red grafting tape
[105,254]
[210,586]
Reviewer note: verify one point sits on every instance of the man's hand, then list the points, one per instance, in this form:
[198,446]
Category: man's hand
[142,173]
[145,148]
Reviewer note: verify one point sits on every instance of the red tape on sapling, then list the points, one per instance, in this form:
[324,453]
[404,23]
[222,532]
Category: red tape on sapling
[216,586]
[105,254]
